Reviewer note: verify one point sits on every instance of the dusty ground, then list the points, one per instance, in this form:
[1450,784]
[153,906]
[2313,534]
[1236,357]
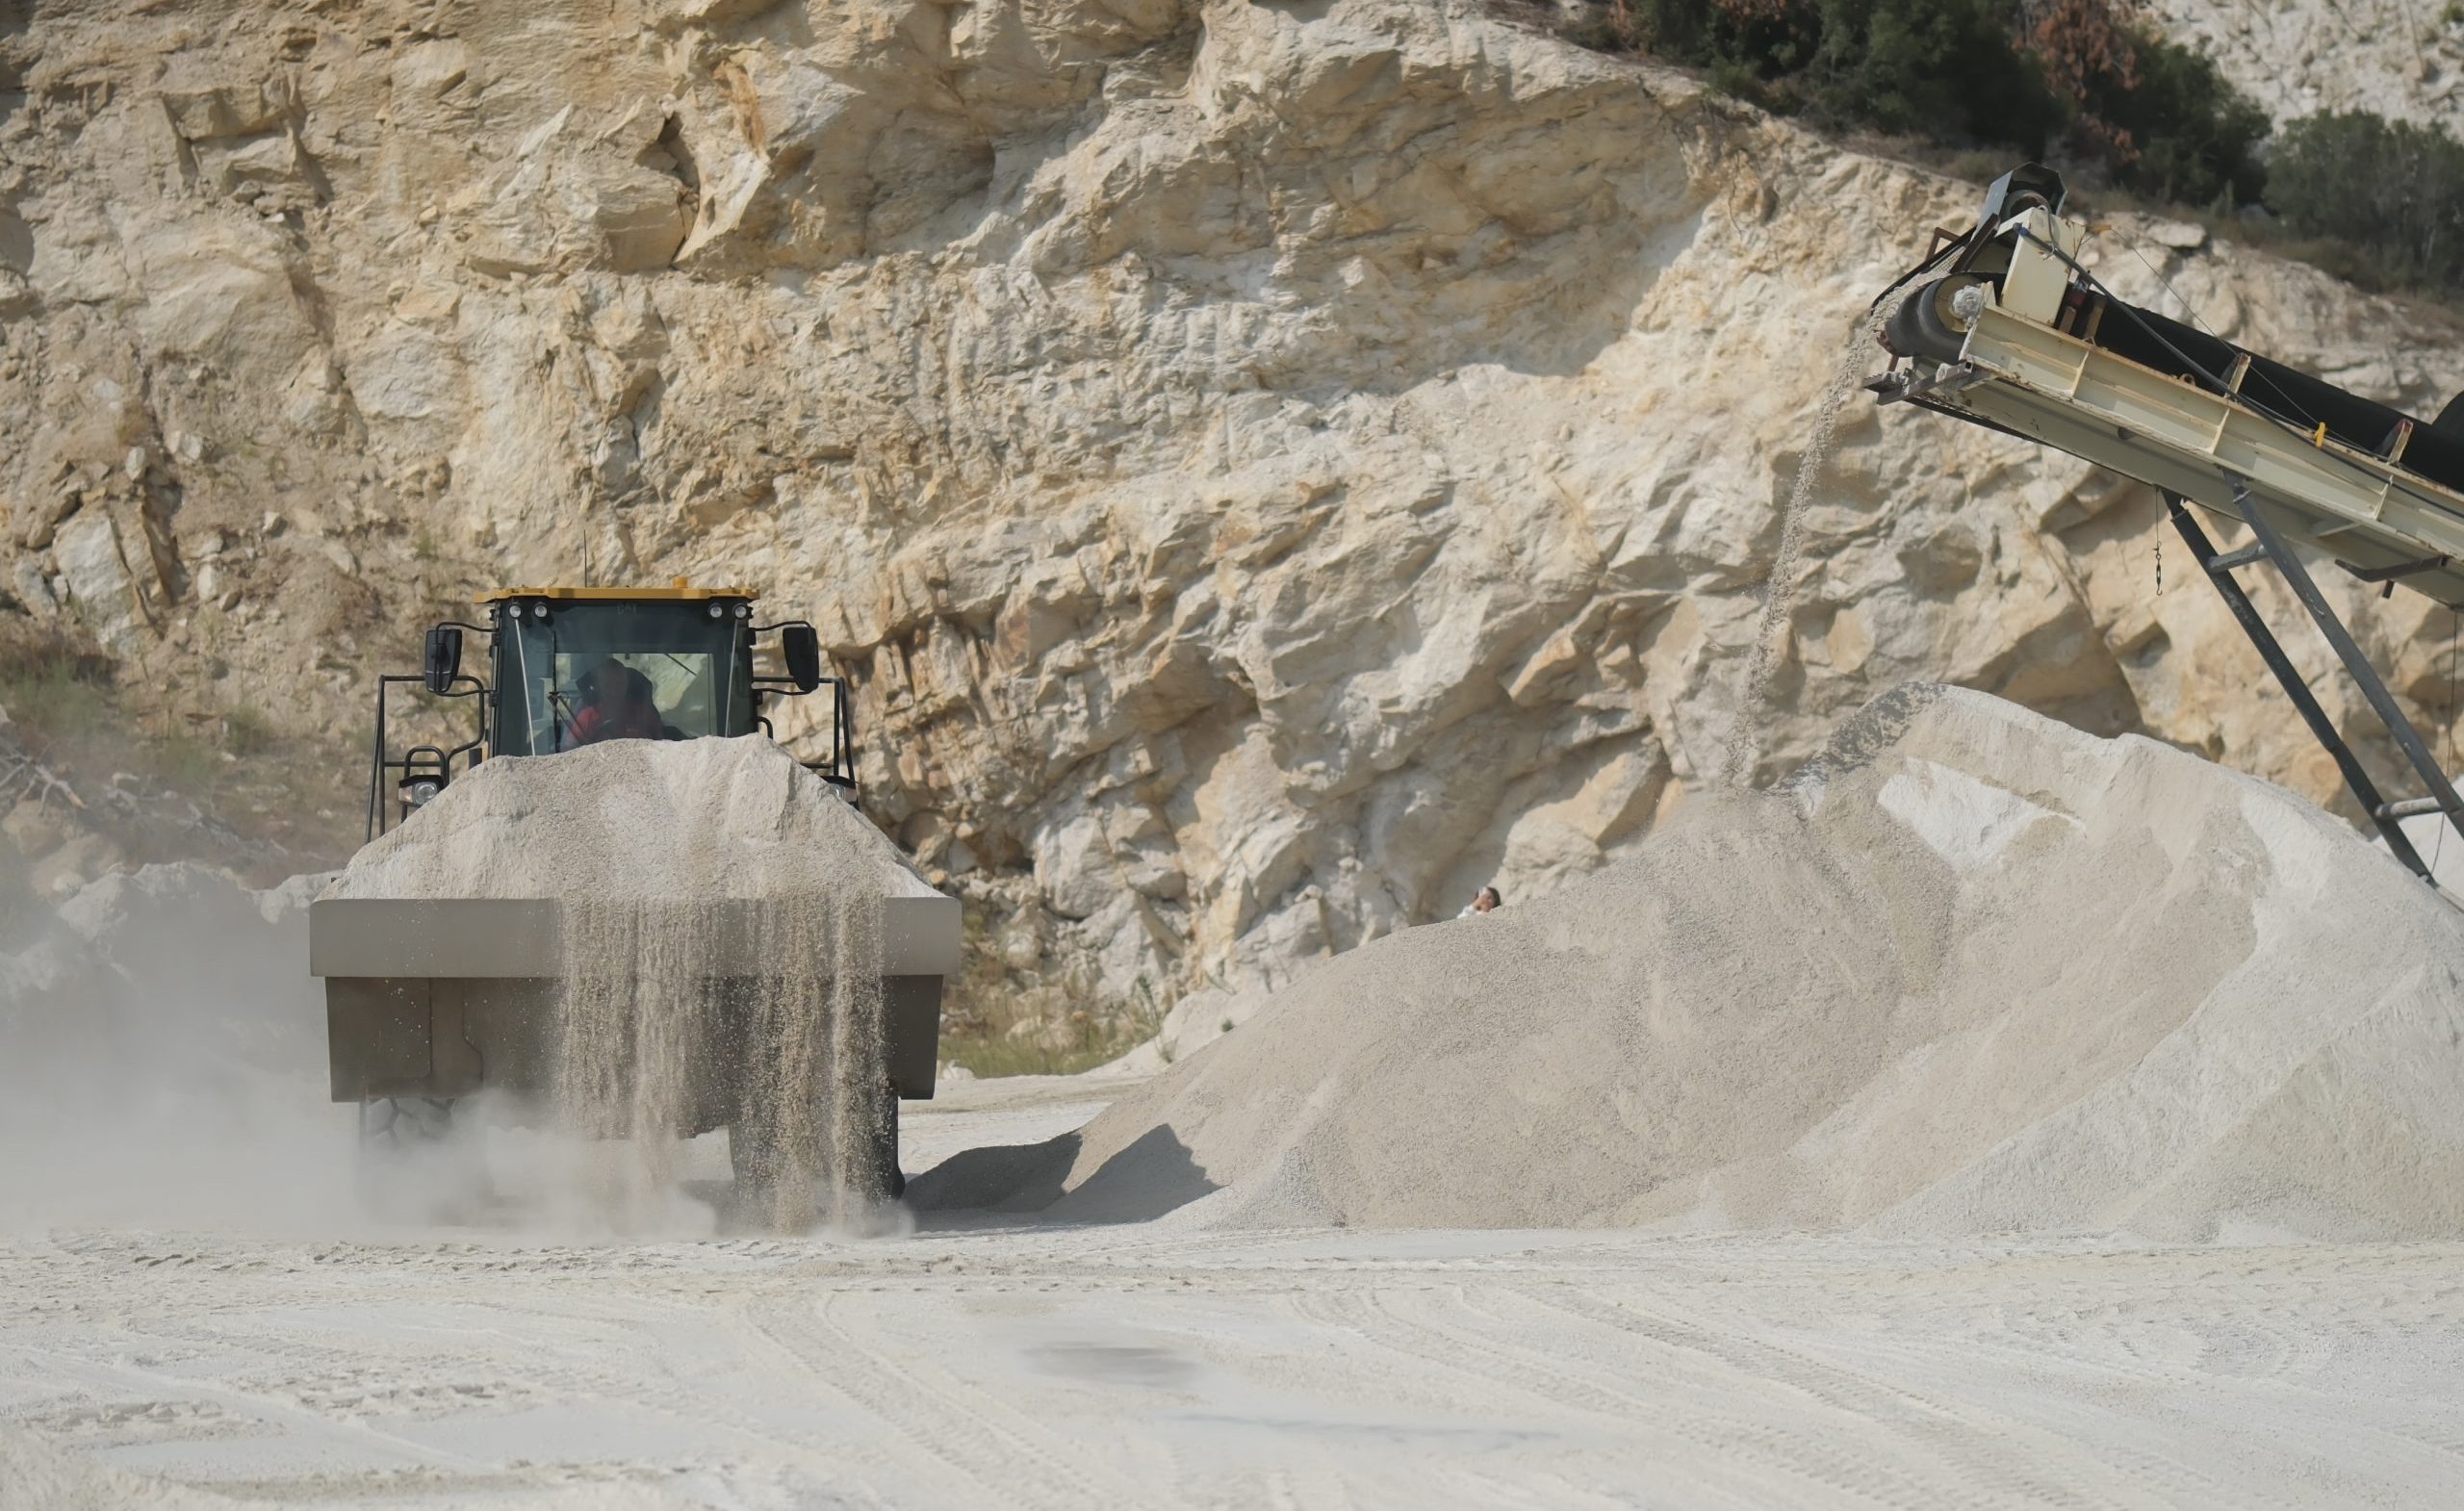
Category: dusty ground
[1150,1366]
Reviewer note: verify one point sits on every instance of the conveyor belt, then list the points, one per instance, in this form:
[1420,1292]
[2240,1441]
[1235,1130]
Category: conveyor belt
[2004,328]
[2091,399]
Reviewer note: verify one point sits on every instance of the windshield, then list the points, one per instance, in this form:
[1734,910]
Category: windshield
[593,672]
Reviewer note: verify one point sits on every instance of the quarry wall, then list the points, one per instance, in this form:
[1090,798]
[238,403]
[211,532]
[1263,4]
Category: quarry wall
[1270,468]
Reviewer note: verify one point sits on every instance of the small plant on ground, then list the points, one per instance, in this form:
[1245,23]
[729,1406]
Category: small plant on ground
[182,762]
[56,693]
[246,733]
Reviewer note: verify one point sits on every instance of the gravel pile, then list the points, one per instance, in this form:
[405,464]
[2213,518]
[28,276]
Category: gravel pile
[1970,971]
[651,820]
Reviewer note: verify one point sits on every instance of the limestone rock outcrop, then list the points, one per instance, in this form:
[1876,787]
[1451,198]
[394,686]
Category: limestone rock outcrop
[1269,468]
[2394,58]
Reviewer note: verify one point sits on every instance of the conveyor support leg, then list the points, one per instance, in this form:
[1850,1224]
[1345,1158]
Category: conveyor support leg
[2270,544]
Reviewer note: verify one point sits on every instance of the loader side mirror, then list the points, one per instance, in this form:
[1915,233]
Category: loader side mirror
[444,658]
[801,645]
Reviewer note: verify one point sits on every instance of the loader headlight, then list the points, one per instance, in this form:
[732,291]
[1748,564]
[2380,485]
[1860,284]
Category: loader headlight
[418,794]
[717,609]
[744,612]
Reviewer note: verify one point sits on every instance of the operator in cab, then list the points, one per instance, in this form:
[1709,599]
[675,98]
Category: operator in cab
[617,705]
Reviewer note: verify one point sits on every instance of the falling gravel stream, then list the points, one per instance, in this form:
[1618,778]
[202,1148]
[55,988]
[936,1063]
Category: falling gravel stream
[1780,590]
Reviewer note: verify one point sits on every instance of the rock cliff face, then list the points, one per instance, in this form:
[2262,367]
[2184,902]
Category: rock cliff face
[1271,467]
[2401,59]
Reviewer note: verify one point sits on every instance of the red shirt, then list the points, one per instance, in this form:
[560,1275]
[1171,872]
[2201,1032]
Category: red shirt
[592,725]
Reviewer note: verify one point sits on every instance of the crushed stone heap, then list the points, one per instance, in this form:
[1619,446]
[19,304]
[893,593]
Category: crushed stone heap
[642,820]
[1970,971]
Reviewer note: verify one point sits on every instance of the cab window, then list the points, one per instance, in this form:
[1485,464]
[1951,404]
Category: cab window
[591,672]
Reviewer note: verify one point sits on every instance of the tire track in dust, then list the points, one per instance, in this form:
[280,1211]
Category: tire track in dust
[888,1468]
[263,1410]
[1962,1460]
[2141,1283]
[951,1428]
[2258,1316]
[1975,1456]
[1716,1448]
[623,1359]
[602,1351]
[1336,1375]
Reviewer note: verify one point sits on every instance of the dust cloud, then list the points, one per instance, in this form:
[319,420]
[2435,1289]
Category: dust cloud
[162,1060]
[163,1048]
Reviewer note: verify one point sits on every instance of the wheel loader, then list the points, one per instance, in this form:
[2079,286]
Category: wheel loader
[430,1001]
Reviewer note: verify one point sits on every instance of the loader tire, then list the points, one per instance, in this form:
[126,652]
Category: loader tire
[408,1169]
[884,1181]
[402,1124]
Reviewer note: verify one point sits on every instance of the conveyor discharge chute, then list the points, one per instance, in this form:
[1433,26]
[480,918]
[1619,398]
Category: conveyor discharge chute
[2002,326]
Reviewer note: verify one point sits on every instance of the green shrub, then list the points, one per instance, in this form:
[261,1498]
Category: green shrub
[1771,37]
[2392,191]
[989,1058]
[2176,130]
[1946,70]
[247,732]
[57,693]
[2163,120]
[183,762]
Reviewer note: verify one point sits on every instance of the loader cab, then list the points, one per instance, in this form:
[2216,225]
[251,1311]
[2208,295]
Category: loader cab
[550,659]
[569,667]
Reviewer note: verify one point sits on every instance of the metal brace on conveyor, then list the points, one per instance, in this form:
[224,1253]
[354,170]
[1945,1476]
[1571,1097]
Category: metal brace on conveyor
[2268,545]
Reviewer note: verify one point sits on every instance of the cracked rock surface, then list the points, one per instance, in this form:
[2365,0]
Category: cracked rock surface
[1268,468]
[2401,59]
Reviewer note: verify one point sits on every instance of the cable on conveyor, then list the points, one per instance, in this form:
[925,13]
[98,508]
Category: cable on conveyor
[1912,275]
[2221,387]
[2191,312]
[2166,284]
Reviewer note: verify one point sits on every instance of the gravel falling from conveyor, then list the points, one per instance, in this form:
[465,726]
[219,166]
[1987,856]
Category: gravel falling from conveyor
[1780,590]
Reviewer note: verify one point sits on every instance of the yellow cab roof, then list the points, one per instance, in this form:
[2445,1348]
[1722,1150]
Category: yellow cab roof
[677,592]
